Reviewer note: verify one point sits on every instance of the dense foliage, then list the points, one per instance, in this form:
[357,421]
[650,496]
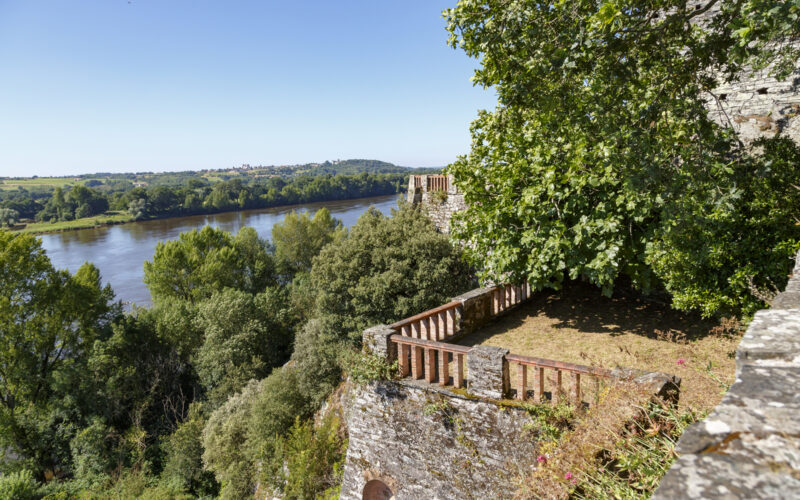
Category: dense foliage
[149,195]
[212,390]
[601,161]
[387,268]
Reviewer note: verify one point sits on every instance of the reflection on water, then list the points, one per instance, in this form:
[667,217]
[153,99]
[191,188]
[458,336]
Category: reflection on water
[120,251]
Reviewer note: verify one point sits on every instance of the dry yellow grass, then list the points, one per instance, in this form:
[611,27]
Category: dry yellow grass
[579,325]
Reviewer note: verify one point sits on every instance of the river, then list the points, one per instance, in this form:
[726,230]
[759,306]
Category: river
[120,251]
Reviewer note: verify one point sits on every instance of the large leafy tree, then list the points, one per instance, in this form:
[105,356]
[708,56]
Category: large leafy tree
[601,151]
[49,322]
[386,269]
[300,237]
[199,263]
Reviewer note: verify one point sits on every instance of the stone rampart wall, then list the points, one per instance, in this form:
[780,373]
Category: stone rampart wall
[423,443]
[439,205]
[749,446]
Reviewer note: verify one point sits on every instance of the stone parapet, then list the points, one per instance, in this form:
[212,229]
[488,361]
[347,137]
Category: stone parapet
[410,442]
[749,446]
[376,339]
[487,371]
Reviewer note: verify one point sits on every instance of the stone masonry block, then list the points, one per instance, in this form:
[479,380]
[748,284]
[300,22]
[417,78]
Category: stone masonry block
[487,371]
[376,339]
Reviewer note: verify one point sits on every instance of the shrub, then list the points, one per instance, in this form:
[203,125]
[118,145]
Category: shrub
[317,361]
[184,457]
[366,367]
[308,460]
[19,486]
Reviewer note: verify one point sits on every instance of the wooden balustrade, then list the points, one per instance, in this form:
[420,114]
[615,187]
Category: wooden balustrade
[430,360]
[557,391]
[436,324]
[431,182]
[437,183]
[504,297]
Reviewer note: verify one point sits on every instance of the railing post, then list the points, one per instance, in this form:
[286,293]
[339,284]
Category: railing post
[576,377]
[430,365]
[403,354]
[488,371]
[451,320]
[522,380]
[444,368]
[377,339]
[415,330]
[416,362]
[539,396]
[459,378]
[558,396]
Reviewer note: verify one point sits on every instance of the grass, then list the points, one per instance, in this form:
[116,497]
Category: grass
[579,325]
[85,223]
[623,444]
[10,184]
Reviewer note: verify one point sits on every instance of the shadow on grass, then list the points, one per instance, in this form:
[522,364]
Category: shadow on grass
[582,307]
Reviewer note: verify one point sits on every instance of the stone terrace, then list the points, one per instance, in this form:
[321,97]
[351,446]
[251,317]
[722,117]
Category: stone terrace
[579,325]
[450,346]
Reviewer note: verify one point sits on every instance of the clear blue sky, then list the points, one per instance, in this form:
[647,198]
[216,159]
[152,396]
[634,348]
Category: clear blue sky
[155,85]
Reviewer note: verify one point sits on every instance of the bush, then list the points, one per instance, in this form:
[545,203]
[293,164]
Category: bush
[317,360]
[386,269]
[308,461]
[224,442]
[19,486]
[183,465]
[364,367]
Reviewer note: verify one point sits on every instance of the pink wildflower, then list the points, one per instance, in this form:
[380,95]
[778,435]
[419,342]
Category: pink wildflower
[681,362]
[568,476]
[541,459]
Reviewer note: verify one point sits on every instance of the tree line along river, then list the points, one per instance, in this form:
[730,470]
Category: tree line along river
[120,251]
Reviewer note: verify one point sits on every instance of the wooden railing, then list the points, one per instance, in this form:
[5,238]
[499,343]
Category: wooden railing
[432,182]
[557,392]
[437,183]
[421,358]
[505,297]
[435,324]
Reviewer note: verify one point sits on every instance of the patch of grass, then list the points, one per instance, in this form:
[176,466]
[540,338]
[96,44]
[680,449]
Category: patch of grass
[10,184]
[85,223]
[579,325]
[619,448]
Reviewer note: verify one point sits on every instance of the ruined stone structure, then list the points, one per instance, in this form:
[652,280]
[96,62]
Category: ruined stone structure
[438,195]
[749,446]
[445,428]
[757,105]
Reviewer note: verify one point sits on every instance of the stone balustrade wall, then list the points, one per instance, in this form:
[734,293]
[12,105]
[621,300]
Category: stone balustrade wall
[749,446]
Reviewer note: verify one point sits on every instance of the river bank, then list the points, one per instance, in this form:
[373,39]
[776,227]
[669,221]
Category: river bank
[111,218]
[120,250]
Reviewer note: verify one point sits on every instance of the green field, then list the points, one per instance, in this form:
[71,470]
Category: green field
[85,223]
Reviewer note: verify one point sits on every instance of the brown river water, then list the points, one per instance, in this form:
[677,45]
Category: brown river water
[120,251]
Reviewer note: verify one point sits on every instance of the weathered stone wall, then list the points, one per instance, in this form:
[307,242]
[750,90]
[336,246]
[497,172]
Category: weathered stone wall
[439,205]
[757,105]
[749,446]
[423,443]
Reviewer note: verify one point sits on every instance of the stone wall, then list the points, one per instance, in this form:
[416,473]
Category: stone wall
[439,205]
[757,105]
[422,443]
[749,446]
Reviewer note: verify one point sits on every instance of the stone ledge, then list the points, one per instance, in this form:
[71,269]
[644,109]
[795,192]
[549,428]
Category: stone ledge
[749,446]
[726,477]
